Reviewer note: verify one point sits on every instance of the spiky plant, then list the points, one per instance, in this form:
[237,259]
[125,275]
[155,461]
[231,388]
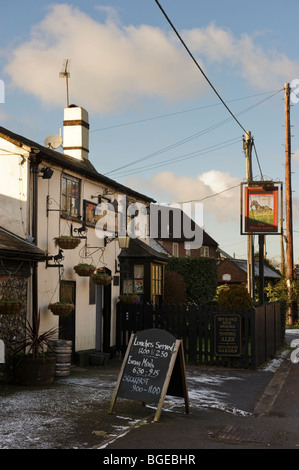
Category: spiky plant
[32,341]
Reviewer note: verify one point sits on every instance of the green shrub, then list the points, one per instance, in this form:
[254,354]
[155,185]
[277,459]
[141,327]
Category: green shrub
[174,288]
[200,277]
[235,296]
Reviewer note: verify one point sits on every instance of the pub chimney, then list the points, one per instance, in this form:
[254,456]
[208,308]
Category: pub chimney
[76,132]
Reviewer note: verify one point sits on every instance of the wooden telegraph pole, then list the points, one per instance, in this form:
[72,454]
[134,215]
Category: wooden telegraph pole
[247,145]
[292,308]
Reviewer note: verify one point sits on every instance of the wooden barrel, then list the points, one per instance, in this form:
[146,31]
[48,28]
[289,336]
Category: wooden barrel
[62,349]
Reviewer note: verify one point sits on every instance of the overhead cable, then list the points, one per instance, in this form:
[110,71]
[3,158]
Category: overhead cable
[176,113]
[199,67]
[187,139]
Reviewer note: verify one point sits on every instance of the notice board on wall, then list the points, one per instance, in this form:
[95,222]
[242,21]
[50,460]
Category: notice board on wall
[152,367]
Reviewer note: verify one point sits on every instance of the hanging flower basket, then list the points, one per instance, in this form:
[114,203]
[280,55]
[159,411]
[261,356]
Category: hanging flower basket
[67,242]
[83,269]
[101,278]
[128,298]
[61,308]
[11,306]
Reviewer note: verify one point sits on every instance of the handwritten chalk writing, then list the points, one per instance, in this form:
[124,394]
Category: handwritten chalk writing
[146,365]
[145,373]
[166,347]
[145,344]
[144,351]
[134,362]
[136,380]
[151,389]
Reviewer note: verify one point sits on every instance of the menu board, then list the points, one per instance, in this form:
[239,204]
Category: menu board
[227,335]
[147,368]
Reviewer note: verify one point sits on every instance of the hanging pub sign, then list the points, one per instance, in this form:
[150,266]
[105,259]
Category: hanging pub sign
[261,208]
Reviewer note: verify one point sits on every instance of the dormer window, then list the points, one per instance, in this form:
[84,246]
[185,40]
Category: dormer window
[70,196]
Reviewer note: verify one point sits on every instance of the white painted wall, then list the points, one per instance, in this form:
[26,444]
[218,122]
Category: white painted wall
[14,188]
[15,214]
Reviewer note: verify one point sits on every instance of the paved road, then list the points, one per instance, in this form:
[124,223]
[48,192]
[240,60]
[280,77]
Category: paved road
[229,409]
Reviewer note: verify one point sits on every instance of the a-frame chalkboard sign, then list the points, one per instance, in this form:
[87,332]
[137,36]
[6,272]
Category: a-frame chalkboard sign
[153,366]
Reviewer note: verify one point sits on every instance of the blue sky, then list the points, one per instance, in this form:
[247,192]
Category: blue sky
[155,123]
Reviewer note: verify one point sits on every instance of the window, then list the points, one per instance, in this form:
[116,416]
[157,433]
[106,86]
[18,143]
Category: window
[138,278]
[204,251]
[134,283]
[188,250]
[157,278]
[70,196]
[175,249]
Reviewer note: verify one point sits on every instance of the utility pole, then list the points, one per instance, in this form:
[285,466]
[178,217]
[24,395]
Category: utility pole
[292,307]
[247,146]
[282,257]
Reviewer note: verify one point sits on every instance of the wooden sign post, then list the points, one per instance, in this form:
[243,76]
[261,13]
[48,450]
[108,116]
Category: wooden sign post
[153,366]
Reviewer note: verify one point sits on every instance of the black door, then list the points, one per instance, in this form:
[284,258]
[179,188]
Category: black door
[67,323]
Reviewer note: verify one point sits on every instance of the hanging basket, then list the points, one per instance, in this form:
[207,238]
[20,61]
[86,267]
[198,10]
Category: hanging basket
[67,243]
[84,269]
[11,307]
[101,278]
[128,298]
[60,308]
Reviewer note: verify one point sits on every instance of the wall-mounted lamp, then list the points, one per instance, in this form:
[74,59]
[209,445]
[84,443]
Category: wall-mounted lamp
[123,242]
[47,173]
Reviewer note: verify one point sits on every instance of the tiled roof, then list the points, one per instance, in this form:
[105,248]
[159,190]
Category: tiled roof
[268,272]
[139,249]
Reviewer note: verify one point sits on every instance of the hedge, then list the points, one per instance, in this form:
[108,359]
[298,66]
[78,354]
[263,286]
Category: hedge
[200,276]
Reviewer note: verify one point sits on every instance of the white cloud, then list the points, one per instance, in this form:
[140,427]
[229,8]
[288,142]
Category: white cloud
[169,188]
[114,66]
[258,67]
[111,65]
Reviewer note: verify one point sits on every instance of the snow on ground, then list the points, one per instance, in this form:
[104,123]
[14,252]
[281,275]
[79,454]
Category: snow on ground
[29,417]
[33,418]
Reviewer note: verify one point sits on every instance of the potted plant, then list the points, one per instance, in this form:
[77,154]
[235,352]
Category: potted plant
[130,298]
[11,306]
[84,269]
[67,242]
[61,308]
[101,277]
[32,364]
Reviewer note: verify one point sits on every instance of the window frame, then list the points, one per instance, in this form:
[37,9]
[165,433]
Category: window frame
[204,251]
[65,212]
[175,247]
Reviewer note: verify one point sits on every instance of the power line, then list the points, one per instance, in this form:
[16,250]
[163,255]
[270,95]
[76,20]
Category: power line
[207,197]
[199,67]
[161,116]
[187,139]
[182,157]
[257,159]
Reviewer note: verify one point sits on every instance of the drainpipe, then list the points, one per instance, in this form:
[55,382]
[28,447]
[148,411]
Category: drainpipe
[34,163]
